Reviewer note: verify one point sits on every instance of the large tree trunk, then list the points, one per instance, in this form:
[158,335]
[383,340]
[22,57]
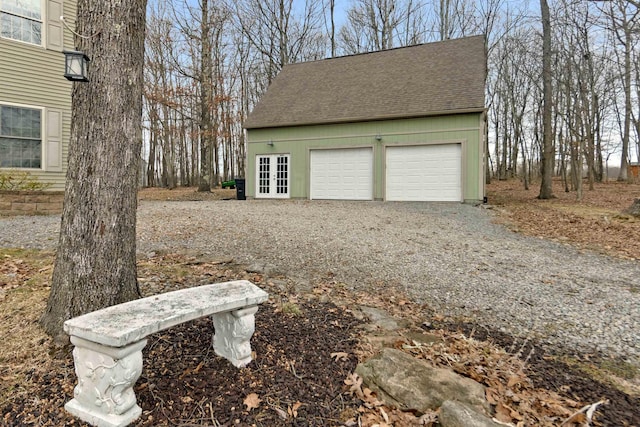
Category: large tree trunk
[546,191]
[95,264]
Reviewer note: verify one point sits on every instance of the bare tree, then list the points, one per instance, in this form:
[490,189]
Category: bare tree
[203,42]
[459,18]
[635,116]
[160,97]
[205,80]
[546,189]
[280,34]
[331,24]
[198,96]
[383,24]
[185,89]
[624,18]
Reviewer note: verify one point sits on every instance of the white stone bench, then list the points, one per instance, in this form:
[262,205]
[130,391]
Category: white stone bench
[109,342]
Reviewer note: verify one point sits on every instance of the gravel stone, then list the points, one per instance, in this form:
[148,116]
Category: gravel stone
[448,255]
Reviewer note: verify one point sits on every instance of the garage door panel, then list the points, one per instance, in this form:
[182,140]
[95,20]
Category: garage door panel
[424,173]
[342,174]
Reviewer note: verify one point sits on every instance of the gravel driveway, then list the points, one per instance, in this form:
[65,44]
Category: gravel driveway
[450,256]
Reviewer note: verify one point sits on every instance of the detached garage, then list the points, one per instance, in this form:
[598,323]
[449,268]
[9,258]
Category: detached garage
[404,124]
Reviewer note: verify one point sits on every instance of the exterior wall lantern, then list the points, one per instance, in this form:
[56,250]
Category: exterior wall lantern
[75,66]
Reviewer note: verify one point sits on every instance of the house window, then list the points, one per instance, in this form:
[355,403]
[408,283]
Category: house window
[20,137]
[21,20]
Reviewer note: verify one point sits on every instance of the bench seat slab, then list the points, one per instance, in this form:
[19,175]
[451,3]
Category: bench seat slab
[122,324]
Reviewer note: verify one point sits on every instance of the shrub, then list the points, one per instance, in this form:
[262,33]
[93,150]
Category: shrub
[13,180]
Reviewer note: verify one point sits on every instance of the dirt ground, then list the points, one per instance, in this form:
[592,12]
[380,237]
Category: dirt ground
[307,345]
[185,194]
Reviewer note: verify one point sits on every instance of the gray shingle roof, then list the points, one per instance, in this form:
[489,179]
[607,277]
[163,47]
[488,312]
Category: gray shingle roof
[429,79]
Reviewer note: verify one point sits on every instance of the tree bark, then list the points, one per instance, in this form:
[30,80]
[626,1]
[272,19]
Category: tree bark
[332,8]
[95,264]
[546,166]
[624,161]
[206,81]
[634,209]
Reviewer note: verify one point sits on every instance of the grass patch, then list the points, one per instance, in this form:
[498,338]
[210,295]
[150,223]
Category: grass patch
[291,308]
[24,288]
[614,372]
[620,368]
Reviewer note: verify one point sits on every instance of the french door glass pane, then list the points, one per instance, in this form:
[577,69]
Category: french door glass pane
[282,178]
[264,175]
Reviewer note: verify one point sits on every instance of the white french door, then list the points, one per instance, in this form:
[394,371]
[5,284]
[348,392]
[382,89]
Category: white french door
[273,176]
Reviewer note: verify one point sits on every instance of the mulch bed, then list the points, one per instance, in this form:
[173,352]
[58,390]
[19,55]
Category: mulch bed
[293,369]
[294,377]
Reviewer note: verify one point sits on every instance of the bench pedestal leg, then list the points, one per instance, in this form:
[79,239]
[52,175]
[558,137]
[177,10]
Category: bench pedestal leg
[104,396]
[233,333]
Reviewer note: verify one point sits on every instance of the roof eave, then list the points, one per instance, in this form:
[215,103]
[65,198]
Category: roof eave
[369,119]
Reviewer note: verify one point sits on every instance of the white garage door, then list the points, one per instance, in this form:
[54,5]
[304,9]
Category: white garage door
[424,173]
[342,174]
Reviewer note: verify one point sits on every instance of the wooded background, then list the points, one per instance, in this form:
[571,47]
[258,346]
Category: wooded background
[208,62]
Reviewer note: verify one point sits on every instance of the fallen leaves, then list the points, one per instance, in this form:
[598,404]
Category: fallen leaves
[506,414]
[293,410]
[585,415]
[512,394]
[281,413]
[507,386]
[595,222]
[340,355]
[13,272]
[355,385]
[252,401]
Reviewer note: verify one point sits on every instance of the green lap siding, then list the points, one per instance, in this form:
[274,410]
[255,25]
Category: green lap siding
[466,129]
[32,76]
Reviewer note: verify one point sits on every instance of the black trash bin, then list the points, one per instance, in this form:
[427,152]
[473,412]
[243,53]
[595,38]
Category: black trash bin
[240,195]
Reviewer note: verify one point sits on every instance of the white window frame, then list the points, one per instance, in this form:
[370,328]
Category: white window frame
[273,179]
[43,139]
[42,21]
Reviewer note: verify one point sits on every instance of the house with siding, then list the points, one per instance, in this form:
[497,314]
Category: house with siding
[35,98]
[405,124]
